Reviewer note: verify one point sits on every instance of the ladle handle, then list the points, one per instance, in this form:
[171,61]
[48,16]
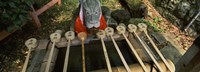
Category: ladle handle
[135,53]
[120,55]
[159,53]
[50,58]
[149,53]
[83,56]
[26,61]
[67,56]
[106,56]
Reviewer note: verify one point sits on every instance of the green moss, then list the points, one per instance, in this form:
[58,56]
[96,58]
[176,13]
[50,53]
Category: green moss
[152,25]
[134,3]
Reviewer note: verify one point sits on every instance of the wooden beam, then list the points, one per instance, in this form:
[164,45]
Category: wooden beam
[59,2]
[35,14]
[4,34]
[35,19]
[45,7]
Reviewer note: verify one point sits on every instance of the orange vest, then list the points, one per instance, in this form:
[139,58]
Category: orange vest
[79,27]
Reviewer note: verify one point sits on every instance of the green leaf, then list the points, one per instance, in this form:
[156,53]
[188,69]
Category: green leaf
[24,11]
[5,15]
[22,18]
[14,13]
[17,22]
[10,12]
[2,4]
[177,38]
[17,1]
[29,2]
[14,17]
[17,26]
[12,5]
[10,28]
[157,19]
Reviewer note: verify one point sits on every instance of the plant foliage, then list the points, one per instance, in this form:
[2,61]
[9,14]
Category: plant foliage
[13,13]
[152,24]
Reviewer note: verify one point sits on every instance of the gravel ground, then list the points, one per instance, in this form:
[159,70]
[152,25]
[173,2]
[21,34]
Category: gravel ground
[177,37]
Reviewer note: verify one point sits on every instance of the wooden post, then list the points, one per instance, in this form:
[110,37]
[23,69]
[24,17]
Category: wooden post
[59,2]
[35,19]
[35,14]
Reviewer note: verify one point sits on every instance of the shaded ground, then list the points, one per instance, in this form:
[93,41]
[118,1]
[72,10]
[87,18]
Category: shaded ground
[170,31]
[13,50]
